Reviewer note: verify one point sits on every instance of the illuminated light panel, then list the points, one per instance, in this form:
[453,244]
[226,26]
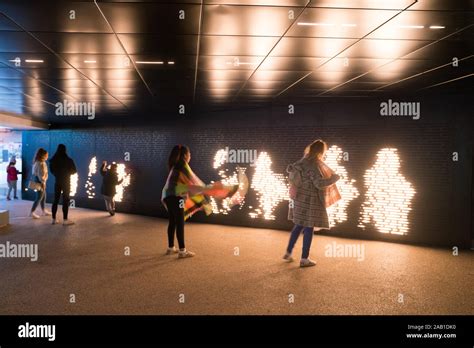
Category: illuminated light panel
[389,195]
[316,24]
[149,62]
[437,27]
[337,213]
[238,177]
[411,26]
[73,185]
[240,63]
[90,188]
[271,188]
[34,60]
[126,177]
[171,63]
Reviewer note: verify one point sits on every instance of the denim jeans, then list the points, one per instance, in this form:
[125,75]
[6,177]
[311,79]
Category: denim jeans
[12,184]
[307,239]
[40,200]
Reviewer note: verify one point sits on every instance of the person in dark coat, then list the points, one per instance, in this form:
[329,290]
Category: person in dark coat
[109,184]
[62,167]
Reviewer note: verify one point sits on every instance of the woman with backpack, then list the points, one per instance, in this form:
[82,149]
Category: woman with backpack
[312,190]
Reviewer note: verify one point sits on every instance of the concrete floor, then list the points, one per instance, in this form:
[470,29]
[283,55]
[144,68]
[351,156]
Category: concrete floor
[88,260]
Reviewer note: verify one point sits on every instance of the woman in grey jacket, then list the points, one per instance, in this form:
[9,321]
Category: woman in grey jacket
[40,175]
[310,179]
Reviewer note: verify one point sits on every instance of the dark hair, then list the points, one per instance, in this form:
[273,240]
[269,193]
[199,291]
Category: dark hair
[177,156]
[40,155]
[60,152]
[315,149]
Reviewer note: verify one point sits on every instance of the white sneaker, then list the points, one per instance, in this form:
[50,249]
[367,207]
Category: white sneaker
[68,222]
[185,253]
[172,250]
[55,221]
[46,213]
[307,263]
[34,216]
[288,258]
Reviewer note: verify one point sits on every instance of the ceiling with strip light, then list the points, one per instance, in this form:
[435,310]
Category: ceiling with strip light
[144,57]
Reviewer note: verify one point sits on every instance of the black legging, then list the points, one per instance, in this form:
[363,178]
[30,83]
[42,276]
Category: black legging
[64,188]
[176,221]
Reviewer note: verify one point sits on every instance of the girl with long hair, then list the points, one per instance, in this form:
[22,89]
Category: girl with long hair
[184,194]
[40,176]
[312,190]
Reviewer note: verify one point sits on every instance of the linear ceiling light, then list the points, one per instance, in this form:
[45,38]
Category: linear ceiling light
[34,60]
[411,26]
[148,62]
[436,27]
[316,24]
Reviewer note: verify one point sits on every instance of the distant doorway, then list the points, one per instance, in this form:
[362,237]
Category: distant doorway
[10,150]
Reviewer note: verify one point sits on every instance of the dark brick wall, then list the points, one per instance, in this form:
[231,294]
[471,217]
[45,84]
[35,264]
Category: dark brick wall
[441,207]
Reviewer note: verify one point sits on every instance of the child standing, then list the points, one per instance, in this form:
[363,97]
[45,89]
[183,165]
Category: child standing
[109,183]
[12,179]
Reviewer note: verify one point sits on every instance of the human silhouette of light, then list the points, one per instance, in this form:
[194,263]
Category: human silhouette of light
[73,185]
[90,187]
[388,196]
[237,178]
[337,213]
[271,187]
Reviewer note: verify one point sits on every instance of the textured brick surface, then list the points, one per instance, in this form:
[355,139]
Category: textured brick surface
[441,214]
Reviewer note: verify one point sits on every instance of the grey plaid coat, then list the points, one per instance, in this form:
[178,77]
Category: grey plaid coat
[307,208]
